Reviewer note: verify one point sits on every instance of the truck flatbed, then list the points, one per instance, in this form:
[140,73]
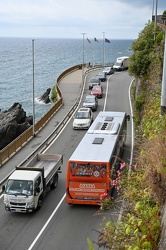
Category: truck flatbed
[47,162]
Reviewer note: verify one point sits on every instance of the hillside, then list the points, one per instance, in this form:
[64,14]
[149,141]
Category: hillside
[143,191]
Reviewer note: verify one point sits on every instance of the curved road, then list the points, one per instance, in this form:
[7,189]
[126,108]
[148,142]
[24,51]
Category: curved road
[58,225]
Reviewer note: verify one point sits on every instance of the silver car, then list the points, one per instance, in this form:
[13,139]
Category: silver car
[91,102]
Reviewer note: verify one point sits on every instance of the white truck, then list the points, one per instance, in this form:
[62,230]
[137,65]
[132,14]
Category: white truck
[27,185]
[122,63]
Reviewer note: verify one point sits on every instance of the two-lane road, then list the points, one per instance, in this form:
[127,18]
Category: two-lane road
[58,225]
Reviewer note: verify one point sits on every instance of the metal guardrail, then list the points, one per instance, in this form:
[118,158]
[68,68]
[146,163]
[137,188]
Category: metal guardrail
[54,133]
[16,145]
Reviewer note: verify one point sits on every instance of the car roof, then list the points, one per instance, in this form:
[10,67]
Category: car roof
[84,110]
[90,96]
[108,68]
[96,87]
[95,79]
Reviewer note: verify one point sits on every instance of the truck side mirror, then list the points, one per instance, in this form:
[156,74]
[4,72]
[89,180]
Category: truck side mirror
[3,188]
[128,117]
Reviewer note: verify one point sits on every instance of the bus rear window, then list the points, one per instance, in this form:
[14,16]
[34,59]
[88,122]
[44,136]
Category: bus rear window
[88,170]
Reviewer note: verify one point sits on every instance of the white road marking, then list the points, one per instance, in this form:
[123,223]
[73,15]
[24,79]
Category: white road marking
[46,224]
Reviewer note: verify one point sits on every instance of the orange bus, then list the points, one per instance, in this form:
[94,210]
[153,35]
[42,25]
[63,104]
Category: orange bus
[91,166]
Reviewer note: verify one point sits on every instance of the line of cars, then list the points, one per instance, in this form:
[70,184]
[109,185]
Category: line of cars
[84,116]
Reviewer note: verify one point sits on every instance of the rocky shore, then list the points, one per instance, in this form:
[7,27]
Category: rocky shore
[13,122]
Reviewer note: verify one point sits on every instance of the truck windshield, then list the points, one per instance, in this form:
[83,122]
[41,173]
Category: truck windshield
[19,187]
[88,170]
[118,63]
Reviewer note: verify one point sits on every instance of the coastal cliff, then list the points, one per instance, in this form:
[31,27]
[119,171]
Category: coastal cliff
[13,122]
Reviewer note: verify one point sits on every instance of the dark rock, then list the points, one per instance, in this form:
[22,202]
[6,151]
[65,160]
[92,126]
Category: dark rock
[45,97]
[29,119]
[13,122]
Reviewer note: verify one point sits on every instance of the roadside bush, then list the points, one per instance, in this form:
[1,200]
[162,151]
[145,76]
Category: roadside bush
[54,94]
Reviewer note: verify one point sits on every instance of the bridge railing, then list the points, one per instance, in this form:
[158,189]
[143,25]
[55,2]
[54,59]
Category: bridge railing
[12,148]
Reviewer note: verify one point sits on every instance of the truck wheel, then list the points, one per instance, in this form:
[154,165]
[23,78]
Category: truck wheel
[55,182]
[39,204]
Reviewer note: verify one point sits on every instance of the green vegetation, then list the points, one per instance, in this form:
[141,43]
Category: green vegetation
[142,190]
[54,94]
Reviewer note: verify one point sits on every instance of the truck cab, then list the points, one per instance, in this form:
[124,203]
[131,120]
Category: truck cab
[122,63]
[22,191]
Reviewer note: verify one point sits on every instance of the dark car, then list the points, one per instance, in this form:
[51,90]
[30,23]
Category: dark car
[91,102]
[102,76]
[108,70]
[94,81]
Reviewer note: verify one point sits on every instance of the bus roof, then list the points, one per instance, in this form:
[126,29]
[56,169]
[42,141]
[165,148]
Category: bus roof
[99,142]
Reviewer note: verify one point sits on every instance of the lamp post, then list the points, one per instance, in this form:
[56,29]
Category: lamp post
[153,8]
[103,48]
[155,22]
[33,87]
[163,91]
[83,38]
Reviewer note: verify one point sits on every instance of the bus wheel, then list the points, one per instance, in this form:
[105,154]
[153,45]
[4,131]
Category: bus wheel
[55,182]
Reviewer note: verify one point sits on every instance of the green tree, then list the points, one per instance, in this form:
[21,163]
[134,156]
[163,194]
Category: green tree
[142,47]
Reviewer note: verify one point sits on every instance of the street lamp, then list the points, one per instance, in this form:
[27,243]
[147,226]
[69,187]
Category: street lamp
[33,87]
[103,48]
[155,22]
[83,37]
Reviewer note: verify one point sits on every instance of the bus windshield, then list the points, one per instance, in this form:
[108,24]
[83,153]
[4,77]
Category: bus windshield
[97,170]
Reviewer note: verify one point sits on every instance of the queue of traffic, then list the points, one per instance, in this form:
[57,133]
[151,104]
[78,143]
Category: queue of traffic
[84,116]
[102,132]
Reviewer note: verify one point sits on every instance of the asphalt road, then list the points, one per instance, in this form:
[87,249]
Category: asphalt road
[57,225]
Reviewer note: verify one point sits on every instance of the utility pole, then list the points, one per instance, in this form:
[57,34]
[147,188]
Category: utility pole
[163,91]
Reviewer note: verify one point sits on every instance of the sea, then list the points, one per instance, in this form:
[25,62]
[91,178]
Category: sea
[30,66]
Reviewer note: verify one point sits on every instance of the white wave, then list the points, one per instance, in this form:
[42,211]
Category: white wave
[38,101]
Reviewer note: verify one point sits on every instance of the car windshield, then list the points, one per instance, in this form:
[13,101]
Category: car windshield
[89,100]
[96,89]
[94,80]
[82,115]
[19,187]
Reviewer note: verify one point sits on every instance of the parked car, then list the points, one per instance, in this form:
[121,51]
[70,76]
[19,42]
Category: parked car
[108,70]
[91,102]
[102,76]
[83,118]
[94,81]
[97,91]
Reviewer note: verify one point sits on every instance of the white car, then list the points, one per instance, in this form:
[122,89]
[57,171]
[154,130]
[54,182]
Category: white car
[108,70]
[83,118]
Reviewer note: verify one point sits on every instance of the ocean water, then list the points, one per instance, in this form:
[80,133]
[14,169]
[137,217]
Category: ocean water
[51,58]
